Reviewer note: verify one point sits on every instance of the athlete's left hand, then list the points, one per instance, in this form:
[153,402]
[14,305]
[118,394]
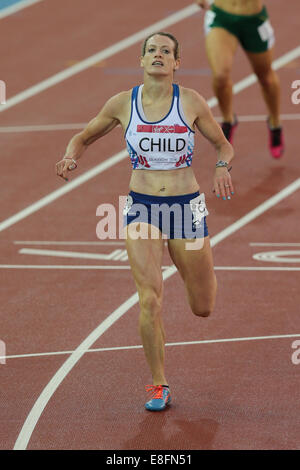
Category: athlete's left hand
[223,186]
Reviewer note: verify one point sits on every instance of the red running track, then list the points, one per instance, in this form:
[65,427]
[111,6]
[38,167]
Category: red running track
[240,393]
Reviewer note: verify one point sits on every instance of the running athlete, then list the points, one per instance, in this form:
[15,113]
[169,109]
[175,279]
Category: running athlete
[159,119]
[228,23]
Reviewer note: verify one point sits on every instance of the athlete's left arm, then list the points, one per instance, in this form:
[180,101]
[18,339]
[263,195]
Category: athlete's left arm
[203,119]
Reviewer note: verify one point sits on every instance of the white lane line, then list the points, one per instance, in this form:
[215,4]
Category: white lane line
[64,266]
[139,346]
[91,266]
[272,201]
[43,128]
[119,156]
[42,401]
[79,126]
[17,7]
[66,188]
[115,255]
[274,244]
[69,243]
[258,117]
[102,55]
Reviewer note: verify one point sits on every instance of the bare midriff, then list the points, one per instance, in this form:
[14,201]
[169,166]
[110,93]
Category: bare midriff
[164,182]
[240,7]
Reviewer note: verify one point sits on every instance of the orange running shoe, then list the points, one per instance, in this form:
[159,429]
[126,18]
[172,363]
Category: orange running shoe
[160,397]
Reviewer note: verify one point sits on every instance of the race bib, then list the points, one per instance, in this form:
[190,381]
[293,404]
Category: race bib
[266,31]
[208,20]
[198,208]
[128,204]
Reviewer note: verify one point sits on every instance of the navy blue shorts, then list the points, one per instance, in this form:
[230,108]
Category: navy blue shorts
[175,216]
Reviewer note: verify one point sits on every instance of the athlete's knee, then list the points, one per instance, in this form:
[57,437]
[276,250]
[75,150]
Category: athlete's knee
[150,301]
[222,78]
[202,311]
[267,78]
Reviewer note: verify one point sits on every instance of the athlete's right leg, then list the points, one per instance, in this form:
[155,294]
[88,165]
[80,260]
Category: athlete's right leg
[145,257]
[221,47]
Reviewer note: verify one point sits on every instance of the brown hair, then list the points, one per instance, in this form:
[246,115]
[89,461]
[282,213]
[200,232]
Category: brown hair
[162,33]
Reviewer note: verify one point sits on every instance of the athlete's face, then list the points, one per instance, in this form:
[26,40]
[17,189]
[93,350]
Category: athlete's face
[159,56]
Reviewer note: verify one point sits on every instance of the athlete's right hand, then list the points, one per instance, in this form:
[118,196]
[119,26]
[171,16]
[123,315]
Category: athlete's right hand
[205,4]
[65,165]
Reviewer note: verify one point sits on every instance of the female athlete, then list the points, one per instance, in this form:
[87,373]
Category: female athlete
[159,119]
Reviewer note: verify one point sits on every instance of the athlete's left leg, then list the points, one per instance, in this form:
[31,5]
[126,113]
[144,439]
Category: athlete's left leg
[197,271]
[268,79]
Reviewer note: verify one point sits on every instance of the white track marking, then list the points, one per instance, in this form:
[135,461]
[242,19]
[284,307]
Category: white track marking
[115,255]
[49,390]
[139,346]
[278,256]
[63,127]
[91,266]
[274,244]
[258,117]
[64,266]
[79,126]
[67,187]
[117,158]
[17,7]
[42,128]
[102,55]
[40,404]
[123,154]
[70,243]
[272,201]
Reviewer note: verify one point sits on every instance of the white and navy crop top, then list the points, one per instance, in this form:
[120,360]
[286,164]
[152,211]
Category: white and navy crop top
[167,144]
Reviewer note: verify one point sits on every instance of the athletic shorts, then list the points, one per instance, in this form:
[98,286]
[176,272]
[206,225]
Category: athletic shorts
[254,32]
[175,216]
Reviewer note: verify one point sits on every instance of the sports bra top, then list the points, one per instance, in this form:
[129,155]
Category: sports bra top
[167,144]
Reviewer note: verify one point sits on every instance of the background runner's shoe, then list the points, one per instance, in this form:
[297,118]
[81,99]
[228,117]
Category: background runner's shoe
[276,141]
[228,129]
[160,397]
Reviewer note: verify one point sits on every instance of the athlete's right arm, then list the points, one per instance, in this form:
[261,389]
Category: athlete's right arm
[107,119]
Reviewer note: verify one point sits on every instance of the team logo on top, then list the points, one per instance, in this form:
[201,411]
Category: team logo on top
[150,128]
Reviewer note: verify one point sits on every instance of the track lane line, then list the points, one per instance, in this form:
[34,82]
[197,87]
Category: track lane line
[95,266]
[99,56]
[42,401]
[10,10]
[212,102]
[139,346]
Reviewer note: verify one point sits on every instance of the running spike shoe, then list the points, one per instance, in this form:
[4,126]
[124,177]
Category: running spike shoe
[276,141]
[228,129]
[160,397]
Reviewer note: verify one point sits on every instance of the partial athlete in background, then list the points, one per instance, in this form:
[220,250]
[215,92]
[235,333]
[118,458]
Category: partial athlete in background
[227,24]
